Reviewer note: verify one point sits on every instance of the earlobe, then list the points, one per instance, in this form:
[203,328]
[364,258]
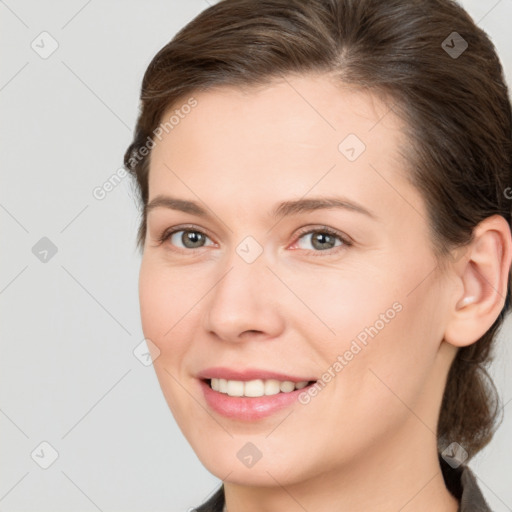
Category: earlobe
[484,275]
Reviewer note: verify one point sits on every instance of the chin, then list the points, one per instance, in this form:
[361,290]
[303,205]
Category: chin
[261,474]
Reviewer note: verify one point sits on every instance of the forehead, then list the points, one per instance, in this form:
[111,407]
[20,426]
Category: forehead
[305,108]
[282,138]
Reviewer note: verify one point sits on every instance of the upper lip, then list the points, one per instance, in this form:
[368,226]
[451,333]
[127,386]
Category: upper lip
[219,372]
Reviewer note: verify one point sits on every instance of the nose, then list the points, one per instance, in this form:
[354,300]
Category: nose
[244,303]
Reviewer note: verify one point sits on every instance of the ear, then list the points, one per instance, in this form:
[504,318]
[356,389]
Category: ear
[483,273]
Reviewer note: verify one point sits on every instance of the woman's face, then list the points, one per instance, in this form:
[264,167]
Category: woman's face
[263,288]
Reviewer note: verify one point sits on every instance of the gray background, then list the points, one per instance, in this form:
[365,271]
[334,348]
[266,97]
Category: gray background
[69,325]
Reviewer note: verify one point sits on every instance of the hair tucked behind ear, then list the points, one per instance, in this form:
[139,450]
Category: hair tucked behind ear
[455,104]
[471,409]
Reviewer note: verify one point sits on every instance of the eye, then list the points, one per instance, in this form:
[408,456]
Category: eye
[321,239]
[185,238]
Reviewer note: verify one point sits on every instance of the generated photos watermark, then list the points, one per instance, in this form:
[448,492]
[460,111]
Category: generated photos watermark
[174,120]
[356,346]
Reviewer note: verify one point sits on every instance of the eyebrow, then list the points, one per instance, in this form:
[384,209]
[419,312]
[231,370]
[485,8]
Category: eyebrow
[283,209]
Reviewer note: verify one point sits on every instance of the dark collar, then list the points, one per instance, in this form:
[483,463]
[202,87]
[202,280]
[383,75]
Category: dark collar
[461,482]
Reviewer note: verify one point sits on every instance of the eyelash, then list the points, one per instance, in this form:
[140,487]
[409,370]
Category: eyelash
[346,242]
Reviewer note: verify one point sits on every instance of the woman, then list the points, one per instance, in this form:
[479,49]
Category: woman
[326,249]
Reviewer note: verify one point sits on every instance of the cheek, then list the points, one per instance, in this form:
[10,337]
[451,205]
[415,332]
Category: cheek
[340,304]
[162,305]
[167,298]
[393,366]
[167,316]
[153,294]
[371,319]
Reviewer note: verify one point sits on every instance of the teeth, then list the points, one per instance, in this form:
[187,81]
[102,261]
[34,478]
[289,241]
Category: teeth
[235,388]
[272,387]
[287,386]
[255,388]
[223,385]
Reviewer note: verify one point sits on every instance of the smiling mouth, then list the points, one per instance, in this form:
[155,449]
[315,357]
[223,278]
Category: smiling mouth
[255,388]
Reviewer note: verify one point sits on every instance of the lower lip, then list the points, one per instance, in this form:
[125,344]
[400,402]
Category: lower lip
[247,408]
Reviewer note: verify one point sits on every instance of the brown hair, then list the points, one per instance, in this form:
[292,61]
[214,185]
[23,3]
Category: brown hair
[455,105]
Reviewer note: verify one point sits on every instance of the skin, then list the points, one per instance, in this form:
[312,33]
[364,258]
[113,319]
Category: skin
[367,440]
